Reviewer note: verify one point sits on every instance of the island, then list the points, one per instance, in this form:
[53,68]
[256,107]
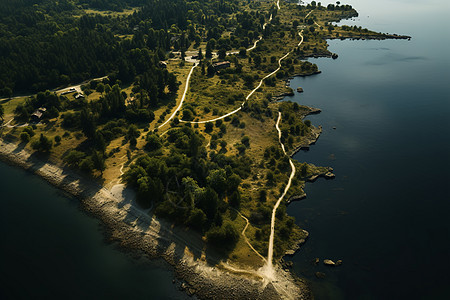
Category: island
[167,120]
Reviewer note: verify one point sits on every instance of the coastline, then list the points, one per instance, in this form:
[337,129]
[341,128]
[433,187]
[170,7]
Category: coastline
[137,231]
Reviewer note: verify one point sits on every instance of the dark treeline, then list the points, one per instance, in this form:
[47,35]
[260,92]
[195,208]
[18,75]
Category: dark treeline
[45,44]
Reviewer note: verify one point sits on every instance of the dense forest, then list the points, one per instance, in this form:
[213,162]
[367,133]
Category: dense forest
[45,44]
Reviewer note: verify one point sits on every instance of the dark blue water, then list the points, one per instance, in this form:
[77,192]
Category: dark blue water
[52,250]
[386,213]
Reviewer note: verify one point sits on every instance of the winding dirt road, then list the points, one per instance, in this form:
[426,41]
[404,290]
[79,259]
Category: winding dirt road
[254,90]
[246,98]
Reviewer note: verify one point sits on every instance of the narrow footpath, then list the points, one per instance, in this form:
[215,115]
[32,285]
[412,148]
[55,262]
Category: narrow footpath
[254,90]
[245,237]
[269,267]
[272,222]
[186,88]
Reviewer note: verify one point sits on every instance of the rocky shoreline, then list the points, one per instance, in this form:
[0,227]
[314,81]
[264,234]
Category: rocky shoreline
[370,37]
[145,235]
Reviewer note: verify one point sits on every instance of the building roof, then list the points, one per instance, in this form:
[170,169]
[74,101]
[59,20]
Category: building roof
[221,64]
[37,114]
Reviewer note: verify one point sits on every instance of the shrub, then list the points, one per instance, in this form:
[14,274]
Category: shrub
[87,165]
[262,195]
[235,121]
[223,128]
[153,142]
[209,127]
[246,141]
[25,137]
[225,236]
[29,130]
[235,199]
[197,219]
[241,149]
[44,144]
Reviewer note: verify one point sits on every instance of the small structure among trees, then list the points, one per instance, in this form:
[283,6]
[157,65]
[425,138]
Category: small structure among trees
[36,116]
[221,65]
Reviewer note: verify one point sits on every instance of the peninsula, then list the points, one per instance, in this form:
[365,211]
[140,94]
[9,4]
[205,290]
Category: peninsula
[179,144]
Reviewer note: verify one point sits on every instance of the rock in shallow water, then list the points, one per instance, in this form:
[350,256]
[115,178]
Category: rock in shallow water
[320,275]
[329,175]
[329,262]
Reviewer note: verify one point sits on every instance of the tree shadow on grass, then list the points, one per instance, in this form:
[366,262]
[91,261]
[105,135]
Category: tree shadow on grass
[38,160]
[20,147]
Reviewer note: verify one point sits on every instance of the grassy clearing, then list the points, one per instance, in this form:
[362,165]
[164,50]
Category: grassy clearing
[9,105]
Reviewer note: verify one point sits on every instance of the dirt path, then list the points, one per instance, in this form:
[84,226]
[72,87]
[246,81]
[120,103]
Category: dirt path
[246,98]
[259,85]
[245,237]
[272,223]
[254,90]
[257,41]
[186,88]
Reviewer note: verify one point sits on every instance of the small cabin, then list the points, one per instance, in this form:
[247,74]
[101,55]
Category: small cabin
[221,65]
[36,116]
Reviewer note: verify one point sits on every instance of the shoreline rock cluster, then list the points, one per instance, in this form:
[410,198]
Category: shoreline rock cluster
[371,37]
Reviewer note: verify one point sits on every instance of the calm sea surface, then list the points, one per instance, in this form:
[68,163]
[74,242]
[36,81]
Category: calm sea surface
[386,213]
[50,249]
